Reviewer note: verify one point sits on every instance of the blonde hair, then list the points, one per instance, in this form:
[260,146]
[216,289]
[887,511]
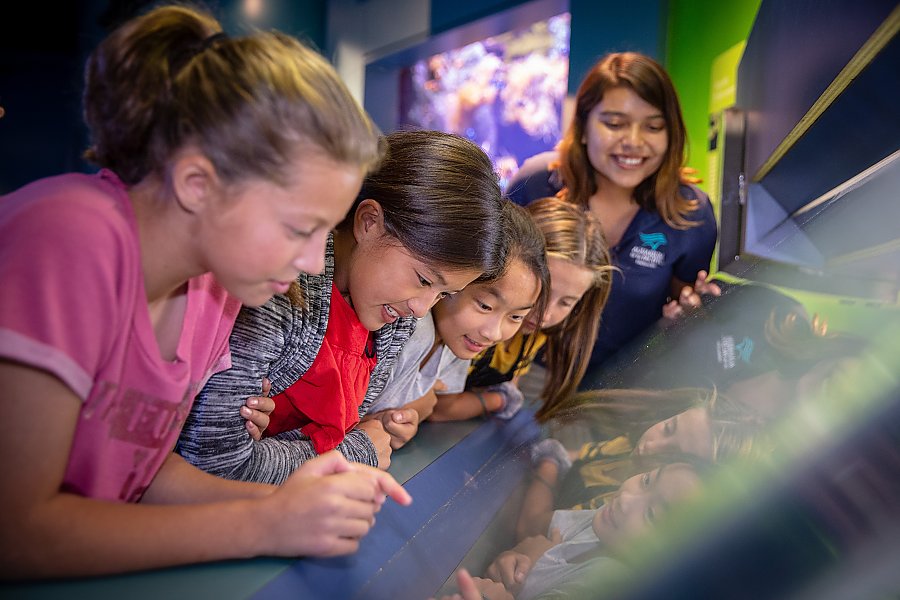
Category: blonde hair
[737,430]
[165,79]
[572,234]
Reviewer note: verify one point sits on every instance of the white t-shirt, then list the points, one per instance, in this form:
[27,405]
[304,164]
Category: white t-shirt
[408,382]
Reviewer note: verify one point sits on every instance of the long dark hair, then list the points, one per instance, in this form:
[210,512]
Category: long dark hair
[441,200]
[649,80]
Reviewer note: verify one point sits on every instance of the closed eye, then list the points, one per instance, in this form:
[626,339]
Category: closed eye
[670,426]
[298,233]
[422,281]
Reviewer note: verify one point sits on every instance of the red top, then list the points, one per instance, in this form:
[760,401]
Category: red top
[324,403]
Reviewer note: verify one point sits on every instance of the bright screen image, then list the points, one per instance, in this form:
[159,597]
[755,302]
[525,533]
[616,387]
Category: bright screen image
[505,93]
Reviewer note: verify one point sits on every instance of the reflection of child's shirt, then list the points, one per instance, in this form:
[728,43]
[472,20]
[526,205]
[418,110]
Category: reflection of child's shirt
[324,402]
[74,305]
[562,564]
[505,361]
[599,470]
[409,382]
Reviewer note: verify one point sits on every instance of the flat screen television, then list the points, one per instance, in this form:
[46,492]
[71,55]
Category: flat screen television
[500,82]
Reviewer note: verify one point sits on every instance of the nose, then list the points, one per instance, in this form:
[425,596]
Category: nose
[311,256]
[549,316]
[310,261]
[633,135]
[420,305]
[492,330]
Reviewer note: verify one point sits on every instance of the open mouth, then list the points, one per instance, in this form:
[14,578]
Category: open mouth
[473,345]
[628,162]
[390,314]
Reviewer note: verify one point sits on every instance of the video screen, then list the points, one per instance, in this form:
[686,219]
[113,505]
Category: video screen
[504,93]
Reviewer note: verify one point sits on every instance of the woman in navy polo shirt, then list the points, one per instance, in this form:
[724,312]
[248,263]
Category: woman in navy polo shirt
[621,159]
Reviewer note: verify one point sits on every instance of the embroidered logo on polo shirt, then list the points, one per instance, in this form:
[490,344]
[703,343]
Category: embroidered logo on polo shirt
[745,349]
[648,254]
[728,353]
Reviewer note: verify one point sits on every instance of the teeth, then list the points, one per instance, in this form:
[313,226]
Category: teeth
[393,313]
[629,162]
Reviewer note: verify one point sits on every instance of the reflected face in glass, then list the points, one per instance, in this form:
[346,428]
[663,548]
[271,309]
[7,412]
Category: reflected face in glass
[626,139]
[642,500]
[484,314]
[689,432]
[568,283]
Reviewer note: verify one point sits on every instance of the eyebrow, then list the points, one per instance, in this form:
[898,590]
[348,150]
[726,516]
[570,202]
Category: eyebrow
[615,113]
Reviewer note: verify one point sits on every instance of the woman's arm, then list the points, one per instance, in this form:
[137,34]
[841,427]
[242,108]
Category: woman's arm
[322,510]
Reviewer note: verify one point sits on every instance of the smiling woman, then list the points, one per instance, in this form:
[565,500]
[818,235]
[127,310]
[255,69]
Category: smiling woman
[621,160]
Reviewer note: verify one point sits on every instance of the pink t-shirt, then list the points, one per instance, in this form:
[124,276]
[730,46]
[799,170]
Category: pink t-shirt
[73,304]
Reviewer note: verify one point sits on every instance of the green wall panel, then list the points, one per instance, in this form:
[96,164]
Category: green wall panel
[699,31]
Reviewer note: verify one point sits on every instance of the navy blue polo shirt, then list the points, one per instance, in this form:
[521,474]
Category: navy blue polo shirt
[648,256]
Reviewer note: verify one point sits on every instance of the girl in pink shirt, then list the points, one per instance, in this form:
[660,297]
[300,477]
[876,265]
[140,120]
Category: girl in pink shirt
[226,162]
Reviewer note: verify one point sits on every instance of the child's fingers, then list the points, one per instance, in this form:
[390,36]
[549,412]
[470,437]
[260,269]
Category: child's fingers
[386,484]
[466,584]
[263,404]
[404,415]
[326,464]
[257,421]
[253,430]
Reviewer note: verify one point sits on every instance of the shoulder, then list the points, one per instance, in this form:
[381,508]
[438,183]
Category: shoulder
[692,192]
[391,338]
[535,179]
[66,210]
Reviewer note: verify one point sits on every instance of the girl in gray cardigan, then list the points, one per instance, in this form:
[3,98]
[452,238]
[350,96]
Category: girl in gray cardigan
[425,224]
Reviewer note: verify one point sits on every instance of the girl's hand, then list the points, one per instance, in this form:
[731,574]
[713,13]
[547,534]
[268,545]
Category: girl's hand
[381,439]
[400,423]
[476,588]
[510,568]
[256,411]
[325,507]
[689,298]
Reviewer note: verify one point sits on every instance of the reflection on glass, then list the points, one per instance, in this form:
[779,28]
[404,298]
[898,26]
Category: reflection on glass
[744,429]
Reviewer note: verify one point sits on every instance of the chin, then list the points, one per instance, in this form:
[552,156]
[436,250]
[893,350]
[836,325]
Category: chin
[462,352]
[253,299]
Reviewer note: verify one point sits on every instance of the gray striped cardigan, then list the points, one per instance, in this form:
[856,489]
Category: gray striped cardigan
[280,341]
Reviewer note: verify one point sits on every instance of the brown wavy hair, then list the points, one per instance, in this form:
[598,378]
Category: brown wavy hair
[647,78]
[573,235]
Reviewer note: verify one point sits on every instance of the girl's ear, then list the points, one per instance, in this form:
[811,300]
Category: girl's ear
[194,181]
[368,220]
